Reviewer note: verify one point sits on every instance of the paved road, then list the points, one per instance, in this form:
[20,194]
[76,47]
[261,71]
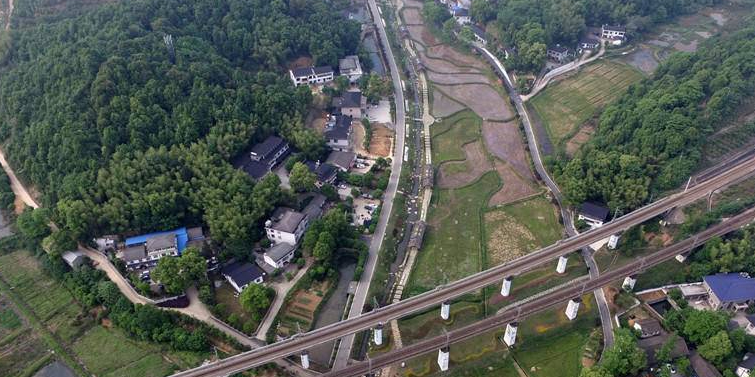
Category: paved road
[548,301]
[566,215]
[360,297]
[543,82]
[281,290]
[473,282]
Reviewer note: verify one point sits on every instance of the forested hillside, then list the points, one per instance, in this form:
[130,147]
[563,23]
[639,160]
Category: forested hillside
[651,139]
[532,25]
[118,137]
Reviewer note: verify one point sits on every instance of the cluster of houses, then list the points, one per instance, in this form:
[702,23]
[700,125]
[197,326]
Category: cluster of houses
[349,67]
[614,35]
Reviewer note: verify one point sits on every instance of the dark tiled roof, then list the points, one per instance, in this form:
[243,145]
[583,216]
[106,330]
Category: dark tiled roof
[302,72]
[701,367]
[594,211]
[614,28]
[731,287]
[461,12]
[652,344]
[351,99]
[589,41]
[748,362]
[313,210]
[322,70]
[133,253]
[161,241]
[558,49]
[256,169]
[324,172]
[339,129]
[268,147]
[478,31]
[649,326]
[242,273]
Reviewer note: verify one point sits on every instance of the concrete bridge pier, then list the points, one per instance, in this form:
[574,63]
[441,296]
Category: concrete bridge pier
[629,282]
[445,310]
[305,359]
[510,336]
[562,261]
[378,334]
[572,308]
[443,356]
[506,286]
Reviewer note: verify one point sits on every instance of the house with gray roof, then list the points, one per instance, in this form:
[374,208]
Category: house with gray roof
[342,160]
[74,259]
[286,225]
[746,366]
[279,255]
[338,133]
[349,66]
[311,75]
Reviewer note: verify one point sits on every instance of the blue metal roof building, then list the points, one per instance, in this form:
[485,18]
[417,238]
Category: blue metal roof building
[182,238]
[730,291]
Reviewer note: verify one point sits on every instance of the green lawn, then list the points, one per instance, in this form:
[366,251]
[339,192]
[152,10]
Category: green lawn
[449,135]
[108,352]
[518,229]
[453,243]
[565,105]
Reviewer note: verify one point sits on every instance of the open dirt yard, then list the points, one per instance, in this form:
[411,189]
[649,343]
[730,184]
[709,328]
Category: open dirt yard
[481,98]
[443,105]
[504,141]
[514,186]
[381,143]
[422,36]
[455,174]
[445,66]
[412,16]
[459,78]
[448,53]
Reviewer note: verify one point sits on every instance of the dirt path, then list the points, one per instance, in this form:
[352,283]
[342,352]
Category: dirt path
[10,13]
[16,185]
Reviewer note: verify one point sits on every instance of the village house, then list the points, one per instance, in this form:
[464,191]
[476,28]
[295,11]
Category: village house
[279,255]
[350,68]
[750,328]
[145,250]
[593,214]
[648,327]
[614,33]
[730,291]
[263,157]
[558,53]
[311,75]
[351,104]
[74,259]
[338,133]
[286,225]
[702,367]
[745,367]
[588,44]
[325,173]
[480,35]
[461,15]
[342,160]
[241,274]
[652,344]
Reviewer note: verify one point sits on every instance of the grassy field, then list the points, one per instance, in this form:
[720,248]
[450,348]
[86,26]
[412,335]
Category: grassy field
[453,244]
[449,135]
[520,228]
[50,319]
[565,105]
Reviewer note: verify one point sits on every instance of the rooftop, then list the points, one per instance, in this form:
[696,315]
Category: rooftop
[339,129]
[324,172]
[286,220]
[279,250]
[614,28]
[594,211]
[731,287]
[322,70]
[349,63]
[589,40]
[342,160]
[71,256]
[242,273]
[179,234]
[558,49]
[351,99]
[748,362]
[268,147]
[652,344]
[478,31]
[649,326]
[461,12]
[133,253]
[161,241]
[313,210]
[306,71]
[701,367]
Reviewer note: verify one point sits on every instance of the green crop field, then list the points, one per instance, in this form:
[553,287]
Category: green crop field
[449,135]
[57,322]
[565,105]
[453,244]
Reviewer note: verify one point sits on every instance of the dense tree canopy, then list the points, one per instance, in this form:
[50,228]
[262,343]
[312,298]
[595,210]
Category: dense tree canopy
[176,274]
[651,139]
[624,358]
[122,134]
[563,21]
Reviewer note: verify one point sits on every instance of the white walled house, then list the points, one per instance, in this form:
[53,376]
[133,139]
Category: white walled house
[349,67]
[311,75]
[593,214]
[279,255]
[338,133]
[286,225]
[730,291]
[745,367]
[240,274]
[614,33]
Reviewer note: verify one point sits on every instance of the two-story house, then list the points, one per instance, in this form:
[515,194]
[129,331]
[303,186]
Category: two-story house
[311,75]
[746,366]
[349,67]
[730,291]
[279,255]
[286,225]
[461,15]
[325,173]
[241,274]
[263,157]
[558,53]
[614,33]
[145,250]
[351,104]
[338,133]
